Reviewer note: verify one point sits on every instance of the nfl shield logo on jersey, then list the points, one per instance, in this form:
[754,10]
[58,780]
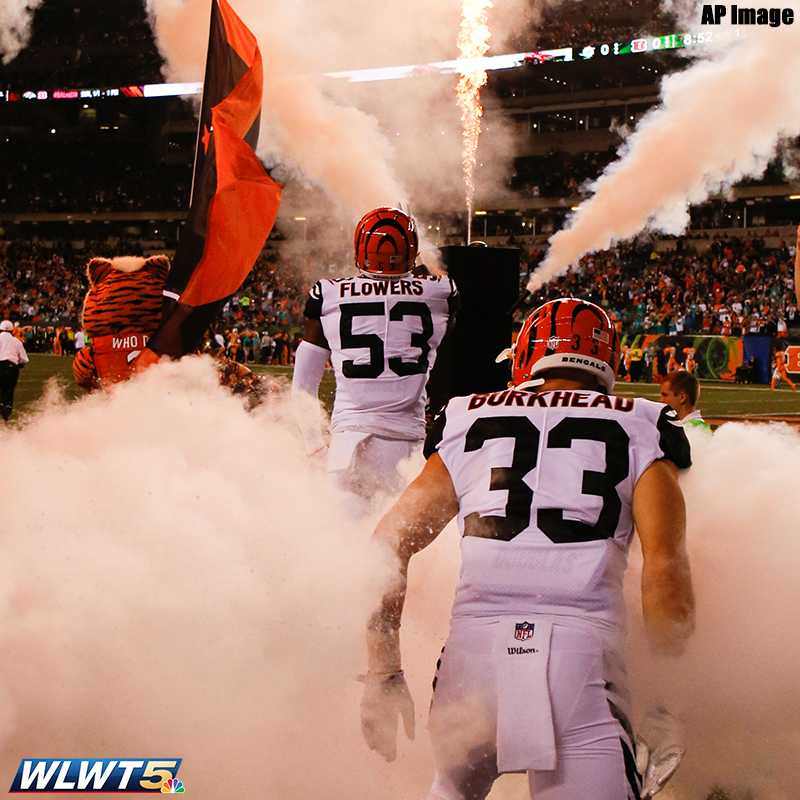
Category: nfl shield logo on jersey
[523,631]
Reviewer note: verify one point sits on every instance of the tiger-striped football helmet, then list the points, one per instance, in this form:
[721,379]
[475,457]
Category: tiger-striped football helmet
[566,333]
[386,243]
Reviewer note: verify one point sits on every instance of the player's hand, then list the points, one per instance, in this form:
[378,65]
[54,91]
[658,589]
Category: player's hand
[385,698]
[659,750]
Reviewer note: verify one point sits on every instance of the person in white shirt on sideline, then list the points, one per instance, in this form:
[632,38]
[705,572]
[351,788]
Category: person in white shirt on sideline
[12,358]
[80,341]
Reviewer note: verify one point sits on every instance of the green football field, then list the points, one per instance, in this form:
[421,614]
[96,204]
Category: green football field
[718,399]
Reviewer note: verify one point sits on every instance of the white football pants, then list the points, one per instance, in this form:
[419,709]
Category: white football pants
[365,465]
[474,690]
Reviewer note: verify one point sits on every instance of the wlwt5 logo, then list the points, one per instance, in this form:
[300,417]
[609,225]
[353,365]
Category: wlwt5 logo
[144,776]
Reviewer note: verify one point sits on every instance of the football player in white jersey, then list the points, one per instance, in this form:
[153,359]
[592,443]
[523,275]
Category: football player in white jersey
[548,480]
[381,329]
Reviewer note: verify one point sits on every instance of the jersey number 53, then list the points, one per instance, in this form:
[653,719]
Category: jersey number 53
[375,344]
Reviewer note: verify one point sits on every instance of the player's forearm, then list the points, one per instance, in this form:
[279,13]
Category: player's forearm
[414,521]
[417,518]
[659,512]
[401,531]
[668,604]
[309,367]
[383,631]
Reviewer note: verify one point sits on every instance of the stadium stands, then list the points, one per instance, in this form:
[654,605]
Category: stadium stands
[113,177]
[76,44]
[735,287]
[90,178]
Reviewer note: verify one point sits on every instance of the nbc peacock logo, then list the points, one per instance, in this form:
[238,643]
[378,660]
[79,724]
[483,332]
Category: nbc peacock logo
[172,786]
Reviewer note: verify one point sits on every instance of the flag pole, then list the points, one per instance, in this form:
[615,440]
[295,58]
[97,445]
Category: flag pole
[198,137]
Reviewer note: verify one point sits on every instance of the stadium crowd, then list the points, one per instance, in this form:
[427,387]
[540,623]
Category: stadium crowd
[737,286]
[44,179]
[558,174]
[77,45]
[564,174]
[42,286]
[568,24]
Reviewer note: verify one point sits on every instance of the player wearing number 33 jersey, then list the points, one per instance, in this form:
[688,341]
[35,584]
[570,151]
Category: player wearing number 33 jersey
[547,481]
[381,330]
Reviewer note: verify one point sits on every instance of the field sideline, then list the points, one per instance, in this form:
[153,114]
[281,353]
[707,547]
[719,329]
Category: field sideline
[718,399]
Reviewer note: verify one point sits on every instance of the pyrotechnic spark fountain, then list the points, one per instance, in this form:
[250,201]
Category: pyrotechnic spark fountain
[473,42]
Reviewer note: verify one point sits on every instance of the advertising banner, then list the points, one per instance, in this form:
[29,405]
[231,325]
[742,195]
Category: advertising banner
[714,357]
[793,358]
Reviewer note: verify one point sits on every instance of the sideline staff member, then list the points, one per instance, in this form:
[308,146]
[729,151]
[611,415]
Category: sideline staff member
[681,391]
[12,358]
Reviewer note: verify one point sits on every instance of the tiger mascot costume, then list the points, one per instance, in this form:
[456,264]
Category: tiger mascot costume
[121,311]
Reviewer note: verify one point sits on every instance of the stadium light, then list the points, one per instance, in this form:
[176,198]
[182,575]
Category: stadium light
[300,219]
[480,213]
[794,196]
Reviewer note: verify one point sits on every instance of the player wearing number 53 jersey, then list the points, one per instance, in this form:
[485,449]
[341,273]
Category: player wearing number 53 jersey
[381,330]
[547,480]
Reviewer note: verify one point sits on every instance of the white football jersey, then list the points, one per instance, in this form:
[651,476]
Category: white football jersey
[383,335]
[545,487]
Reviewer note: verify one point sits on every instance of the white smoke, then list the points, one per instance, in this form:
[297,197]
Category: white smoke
[719,120]
[363,144]
[16,17]
[737,686]
[177,580]
[394,143]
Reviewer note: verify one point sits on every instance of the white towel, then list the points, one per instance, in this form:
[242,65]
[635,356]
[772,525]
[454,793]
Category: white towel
[525,733]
